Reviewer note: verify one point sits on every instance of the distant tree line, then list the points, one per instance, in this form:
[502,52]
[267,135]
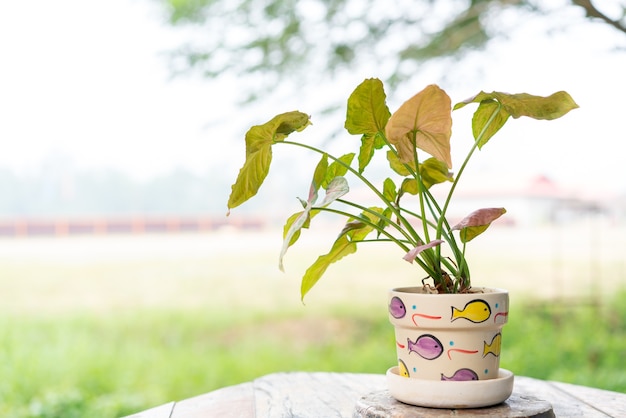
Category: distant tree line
[110,192]
[59,190]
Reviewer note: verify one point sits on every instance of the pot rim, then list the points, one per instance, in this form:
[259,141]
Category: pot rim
[417,290]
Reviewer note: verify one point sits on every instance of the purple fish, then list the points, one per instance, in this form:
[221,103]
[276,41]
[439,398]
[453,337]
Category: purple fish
[461,375]
[397,308]
[427,346]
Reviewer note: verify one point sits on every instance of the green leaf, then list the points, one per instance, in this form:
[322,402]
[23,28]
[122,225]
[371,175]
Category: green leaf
[469,233]
[354,231]
[369,144]
[477,222]
[382,222]
[524,104]
[367,111]
[488,110]
[353,225]
[341,248]
[409,186]
[259,140]
[360,234]
[288,224]
[358,228]
[498,106]
[288,123]
[389,190]
[250,177]
[424,121]
[319,175]
[433,171]
[367,115]
[537,107]
[292,228]
[336,189]
[336,169]
[291,231]
[398,166]
[366,151]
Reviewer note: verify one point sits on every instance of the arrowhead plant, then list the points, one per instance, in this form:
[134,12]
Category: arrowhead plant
[415,140]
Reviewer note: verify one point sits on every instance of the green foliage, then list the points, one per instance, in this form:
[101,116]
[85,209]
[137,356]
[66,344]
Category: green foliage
[495,108]
[79,365]
[282,38]
[92,366]
[580,341]
[259,140]
[417,140]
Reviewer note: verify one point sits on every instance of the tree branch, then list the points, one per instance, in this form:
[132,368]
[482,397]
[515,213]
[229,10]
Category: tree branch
[592,12]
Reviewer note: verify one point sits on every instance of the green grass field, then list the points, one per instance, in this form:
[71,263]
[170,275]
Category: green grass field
[104,327]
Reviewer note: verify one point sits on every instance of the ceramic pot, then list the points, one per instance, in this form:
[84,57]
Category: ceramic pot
[448,348]
[449,337]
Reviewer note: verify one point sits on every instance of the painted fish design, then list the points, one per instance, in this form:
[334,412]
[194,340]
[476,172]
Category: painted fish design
[426,346]
[475,311]
[461,375]
[494,346]
[402,369]
[397,308]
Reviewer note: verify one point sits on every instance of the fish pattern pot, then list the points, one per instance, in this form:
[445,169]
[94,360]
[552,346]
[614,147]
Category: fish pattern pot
[454,337]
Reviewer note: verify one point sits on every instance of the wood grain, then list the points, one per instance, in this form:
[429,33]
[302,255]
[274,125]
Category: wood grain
[345,395]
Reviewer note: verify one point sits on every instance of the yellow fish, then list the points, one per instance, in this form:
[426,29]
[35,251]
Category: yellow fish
[476,311]
[402,369]
[494,347]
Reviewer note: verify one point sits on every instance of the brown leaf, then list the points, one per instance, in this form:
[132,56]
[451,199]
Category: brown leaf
[480,217]
[410,256]
[424,121]
[477,222]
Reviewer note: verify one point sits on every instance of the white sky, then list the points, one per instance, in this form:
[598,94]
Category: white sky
[87,80]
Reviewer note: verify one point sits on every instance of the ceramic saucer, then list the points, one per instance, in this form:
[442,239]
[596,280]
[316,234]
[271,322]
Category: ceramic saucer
[449,394]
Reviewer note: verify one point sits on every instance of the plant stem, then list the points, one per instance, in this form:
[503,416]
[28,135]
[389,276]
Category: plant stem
[391,238]
[381,217]
[414,236]
[420,188]
[349,168]
[430,256]
[462,264]
[467,158]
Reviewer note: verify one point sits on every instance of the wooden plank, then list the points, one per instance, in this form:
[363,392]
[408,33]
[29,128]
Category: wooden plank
[162,411]
[331,395]
[610,403]
[335,395]
[563,403]
[229,402]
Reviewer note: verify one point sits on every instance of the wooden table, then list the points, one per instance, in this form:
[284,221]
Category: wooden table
[331,395]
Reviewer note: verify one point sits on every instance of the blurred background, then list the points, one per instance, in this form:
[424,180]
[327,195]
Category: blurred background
[123,285]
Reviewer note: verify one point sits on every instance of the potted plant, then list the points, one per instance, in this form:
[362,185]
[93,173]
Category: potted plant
[447,331]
